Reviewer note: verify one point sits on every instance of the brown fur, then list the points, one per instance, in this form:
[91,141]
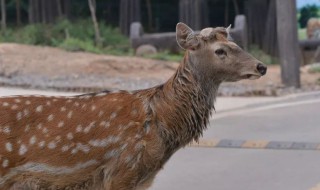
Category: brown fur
[117,140]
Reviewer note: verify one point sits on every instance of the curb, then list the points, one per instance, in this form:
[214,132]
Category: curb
[256,144]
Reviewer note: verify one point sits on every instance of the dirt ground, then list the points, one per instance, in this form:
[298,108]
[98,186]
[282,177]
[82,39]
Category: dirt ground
[52,68]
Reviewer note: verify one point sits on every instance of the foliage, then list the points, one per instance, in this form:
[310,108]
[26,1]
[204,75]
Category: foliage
[256,52]
[72,36]
[307,12]
[74,44]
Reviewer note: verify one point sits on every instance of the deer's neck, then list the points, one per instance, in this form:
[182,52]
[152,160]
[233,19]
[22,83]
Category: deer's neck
[184,104]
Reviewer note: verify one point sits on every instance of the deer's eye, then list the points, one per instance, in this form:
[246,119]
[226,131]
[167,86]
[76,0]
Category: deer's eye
[220,52]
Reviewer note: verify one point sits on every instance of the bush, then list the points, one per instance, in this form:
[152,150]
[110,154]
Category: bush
[74,44]
[72,36]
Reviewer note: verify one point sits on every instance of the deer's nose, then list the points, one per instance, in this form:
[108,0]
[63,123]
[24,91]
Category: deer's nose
[262,69]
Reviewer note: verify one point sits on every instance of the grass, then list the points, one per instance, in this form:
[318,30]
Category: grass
[315,68]
[71,36]
[302,33]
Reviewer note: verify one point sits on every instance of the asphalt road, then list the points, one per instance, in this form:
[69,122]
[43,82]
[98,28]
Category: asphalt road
[288,120]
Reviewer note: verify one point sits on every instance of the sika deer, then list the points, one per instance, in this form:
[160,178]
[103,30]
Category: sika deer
[118,140]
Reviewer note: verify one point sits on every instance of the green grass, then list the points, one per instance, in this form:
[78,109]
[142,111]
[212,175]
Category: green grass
[302,33]
[314,69]
[71,36]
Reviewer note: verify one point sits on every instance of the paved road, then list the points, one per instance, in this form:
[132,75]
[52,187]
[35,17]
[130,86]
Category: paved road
[289,120]
[295,119]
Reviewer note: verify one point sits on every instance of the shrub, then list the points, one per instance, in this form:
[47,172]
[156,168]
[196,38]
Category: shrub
[74,44]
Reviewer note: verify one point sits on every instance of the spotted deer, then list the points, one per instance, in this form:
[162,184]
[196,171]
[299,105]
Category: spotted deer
[118,140]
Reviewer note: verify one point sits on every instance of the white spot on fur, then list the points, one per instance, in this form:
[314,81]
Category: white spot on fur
[39,126]
[79,129]
[23,149]
[63,109]
[45,130]
[41,144]
[65,148]
[19,115]
[82,147]
[5,104]
[74,151]
[70,136]
[104,142]
[14,107]
[27,128]
[6,129]
[9,147]
[25,112]
[101,113]
[5,163]
[93,108]
[76,104]
[17,100]
[105,124]
[60,124]
[28,102]
[33,140]
[111,154]
[70,114]
[89,127]
[48,103]
[50,117]
[52,145]
[113,115]
[39,108]
[58,138]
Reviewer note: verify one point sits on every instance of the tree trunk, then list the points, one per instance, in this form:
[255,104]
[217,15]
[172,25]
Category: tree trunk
[149,9]
[129,12]
[92,6]
[236,7]
[18,12]
[288,42]
[193,13]
[43,11]
[3,15]
[59,8]
[226,13]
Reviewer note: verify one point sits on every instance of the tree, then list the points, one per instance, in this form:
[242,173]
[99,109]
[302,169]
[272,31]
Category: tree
[92,6]
[129,12]
[18,12]
[3,15]
[306,13]
[288,42]
[194,13]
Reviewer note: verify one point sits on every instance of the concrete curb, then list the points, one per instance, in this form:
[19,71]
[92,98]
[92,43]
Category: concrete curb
[256,144]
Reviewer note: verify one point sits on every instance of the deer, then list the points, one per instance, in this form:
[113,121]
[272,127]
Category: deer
[118,140]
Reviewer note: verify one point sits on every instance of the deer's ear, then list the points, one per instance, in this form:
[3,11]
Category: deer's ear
[185,37]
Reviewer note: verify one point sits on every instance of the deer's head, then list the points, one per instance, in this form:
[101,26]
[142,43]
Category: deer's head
[213,55]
